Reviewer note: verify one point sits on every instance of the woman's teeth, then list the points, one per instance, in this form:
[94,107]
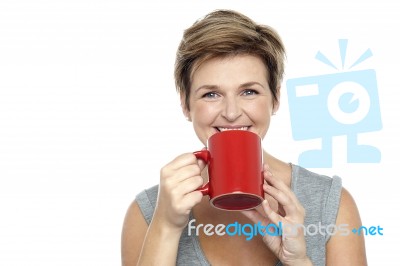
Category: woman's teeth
[226,129]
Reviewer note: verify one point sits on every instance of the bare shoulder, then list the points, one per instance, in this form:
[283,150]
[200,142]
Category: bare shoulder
[349,248]
[133,233]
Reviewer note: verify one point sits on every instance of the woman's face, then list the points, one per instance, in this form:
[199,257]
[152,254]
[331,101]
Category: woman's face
[230,93]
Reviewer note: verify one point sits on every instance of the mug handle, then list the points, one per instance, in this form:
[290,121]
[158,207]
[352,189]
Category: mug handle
[205,156]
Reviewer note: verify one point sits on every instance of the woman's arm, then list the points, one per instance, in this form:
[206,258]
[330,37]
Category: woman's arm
[347,249]
[158,243]
[133,234]
[146,245]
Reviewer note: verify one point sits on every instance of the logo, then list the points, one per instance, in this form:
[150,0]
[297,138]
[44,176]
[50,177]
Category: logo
[251,230]
[337,104]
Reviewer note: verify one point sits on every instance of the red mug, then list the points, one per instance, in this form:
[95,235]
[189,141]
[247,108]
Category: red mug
[235,170]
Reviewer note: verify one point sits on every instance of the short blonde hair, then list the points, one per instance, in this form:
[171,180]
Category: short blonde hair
[224,33]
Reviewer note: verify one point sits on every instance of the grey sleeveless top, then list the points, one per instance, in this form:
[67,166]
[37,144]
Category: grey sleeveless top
[319,195]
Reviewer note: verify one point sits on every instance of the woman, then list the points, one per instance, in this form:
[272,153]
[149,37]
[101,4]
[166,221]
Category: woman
[228,72]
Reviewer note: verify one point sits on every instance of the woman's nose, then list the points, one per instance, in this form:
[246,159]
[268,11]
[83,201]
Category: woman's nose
[231,110]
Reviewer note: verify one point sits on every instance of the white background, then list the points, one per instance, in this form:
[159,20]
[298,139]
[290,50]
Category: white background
[89,114]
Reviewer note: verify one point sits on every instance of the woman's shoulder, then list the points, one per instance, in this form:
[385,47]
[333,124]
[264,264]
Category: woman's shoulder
[304,179]
[319,194]
[147,200]
[149,193]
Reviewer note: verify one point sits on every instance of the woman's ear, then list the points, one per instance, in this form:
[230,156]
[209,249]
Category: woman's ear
[185,110]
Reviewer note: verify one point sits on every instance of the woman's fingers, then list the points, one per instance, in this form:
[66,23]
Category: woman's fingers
[179,180]
[255,216]
[183,160]
[183,167]
[274,181]
[271,214]
[287,201]
[188,185]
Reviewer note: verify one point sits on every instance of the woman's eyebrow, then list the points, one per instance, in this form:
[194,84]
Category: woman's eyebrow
[215,87]
[251,83]
[207,87]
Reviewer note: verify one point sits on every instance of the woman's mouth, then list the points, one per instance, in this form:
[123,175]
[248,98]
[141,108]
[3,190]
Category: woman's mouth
[221,129]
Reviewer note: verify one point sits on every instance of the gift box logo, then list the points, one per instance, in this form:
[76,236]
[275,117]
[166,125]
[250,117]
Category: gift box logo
[344,103]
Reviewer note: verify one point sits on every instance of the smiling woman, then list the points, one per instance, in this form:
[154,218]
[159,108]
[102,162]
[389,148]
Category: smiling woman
[234,92]
[228,72]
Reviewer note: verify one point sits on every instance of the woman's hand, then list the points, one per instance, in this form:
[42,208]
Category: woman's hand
[177,195]
[177,191]
[290,245]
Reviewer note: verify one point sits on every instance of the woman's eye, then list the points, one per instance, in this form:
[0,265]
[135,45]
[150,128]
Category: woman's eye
[249,92]
[210,95]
